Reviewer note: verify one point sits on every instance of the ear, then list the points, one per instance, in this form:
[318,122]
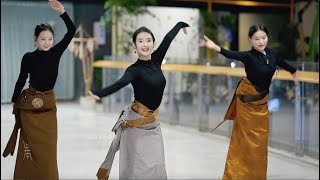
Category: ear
[34,38]
[134,46]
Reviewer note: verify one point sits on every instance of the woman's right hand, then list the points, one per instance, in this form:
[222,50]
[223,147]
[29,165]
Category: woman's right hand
[91,95]
[206,42]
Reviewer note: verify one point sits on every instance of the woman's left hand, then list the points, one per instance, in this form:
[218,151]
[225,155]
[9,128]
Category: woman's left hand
[295,77]
[184,30]
[57,6]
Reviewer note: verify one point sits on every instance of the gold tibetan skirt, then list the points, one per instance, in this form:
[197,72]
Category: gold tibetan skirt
[248,150]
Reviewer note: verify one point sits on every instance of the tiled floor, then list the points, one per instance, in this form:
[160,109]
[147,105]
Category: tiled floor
[84,136]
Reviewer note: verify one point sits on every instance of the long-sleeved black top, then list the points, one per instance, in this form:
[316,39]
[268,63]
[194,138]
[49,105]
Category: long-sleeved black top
[146,77]
[43,65]
[259,68]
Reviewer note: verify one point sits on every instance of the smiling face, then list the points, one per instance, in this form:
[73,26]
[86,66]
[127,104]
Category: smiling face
[44,40]
[144,45]
[259,40]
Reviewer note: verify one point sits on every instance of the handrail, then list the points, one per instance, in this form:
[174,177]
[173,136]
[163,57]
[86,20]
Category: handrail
[304,76]
[241,3]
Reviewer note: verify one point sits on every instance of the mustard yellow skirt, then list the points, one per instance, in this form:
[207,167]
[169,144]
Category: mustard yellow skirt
[248,150]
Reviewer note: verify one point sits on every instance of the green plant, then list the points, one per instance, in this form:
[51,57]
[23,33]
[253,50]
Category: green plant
[210,28]
[228,21]
[115,9]
[314,40]
[287,41]
[124,6]
[97,78]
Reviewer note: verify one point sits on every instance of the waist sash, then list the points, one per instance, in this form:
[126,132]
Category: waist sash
[35,116]
[253,96]
[147,116]
[30,100]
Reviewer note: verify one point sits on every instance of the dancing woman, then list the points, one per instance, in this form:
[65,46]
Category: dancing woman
[138,132]
[248,150]
[35,107]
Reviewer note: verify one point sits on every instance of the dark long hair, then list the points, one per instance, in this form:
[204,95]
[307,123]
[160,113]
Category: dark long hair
[42,27]
[139,30]
[253,29]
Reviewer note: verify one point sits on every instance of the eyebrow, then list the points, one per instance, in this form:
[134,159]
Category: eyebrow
[142,38]
[260,36]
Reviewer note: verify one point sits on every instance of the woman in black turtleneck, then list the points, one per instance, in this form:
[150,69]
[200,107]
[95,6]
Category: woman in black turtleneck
[141,146]
[43,63]
[248,150]
[35,107]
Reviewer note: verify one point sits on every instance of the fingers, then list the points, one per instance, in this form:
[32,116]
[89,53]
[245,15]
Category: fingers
[295,77]
[91,95]
[55,4]
[184,30]
[202,43]
[96,97]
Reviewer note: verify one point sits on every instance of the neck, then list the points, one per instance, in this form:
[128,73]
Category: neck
[145,58]
[262,51]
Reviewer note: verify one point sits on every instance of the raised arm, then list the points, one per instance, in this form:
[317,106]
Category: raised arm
[126,79]
[161,51]
[71,29]
[21,79]
[237,55]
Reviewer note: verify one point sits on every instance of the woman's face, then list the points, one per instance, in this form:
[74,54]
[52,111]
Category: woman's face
[259,40]
[144,45]
[44,40]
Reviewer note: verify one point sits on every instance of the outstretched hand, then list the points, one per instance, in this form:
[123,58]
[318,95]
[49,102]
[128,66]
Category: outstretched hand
[295,77]
[91,95]
[184,30]
[57,6]
[206,42]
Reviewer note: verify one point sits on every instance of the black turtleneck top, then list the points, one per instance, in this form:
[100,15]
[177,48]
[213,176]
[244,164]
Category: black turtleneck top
[259,68]
[43,65]
[146,77]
